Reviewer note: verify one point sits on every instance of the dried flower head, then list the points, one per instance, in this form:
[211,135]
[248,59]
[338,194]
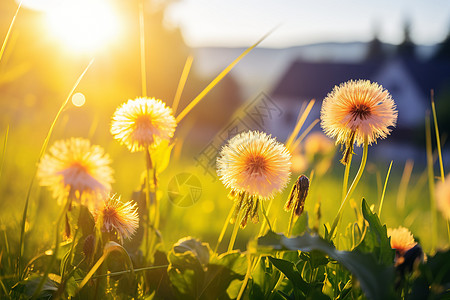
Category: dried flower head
[143,123]
[401,239]
[298,195]
[255,167]
[119,216]
[79,168]
[443,197]
[358,110]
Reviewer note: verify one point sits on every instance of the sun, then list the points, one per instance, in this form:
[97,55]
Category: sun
[83,25]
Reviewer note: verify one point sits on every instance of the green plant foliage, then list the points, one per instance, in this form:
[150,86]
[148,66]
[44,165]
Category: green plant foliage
[195,275]
[375,279]
[376,240]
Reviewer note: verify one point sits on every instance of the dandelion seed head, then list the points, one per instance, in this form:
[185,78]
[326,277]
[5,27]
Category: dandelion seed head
[254,163]
[360,107]
[142,123]
[76,167]
[401,239]
[119,216]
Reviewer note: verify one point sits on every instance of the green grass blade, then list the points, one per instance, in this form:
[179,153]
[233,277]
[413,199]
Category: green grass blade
[438,139]
[5,141]
[431,183]
[384,189]
[142,48]
[301,121]
[5,41]
[303,135]
[181,83]
[218,79]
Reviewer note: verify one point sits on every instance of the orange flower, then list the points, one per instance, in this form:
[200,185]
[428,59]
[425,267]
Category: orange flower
[119,216]
[401,239]
[143,123]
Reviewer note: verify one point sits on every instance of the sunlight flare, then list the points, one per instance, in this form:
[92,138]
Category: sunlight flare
[83,26]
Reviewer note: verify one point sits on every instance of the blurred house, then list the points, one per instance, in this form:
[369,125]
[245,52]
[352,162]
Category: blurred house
[409,82]
[408,79]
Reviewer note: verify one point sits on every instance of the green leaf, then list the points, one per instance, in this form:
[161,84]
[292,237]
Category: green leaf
[161,155]
[265,278]
[291,272]
[28,286]
[189,253]
[376,240]
[375,279]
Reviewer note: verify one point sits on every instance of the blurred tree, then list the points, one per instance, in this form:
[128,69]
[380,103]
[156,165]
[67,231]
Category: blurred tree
[407,47]
[375,50]
[443,49]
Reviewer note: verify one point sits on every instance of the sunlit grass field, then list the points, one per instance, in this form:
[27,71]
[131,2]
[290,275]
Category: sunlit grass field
[89,209]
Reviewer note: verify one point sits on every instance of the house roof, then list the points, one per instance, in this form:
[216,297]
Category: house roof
[429,75]
[317,79]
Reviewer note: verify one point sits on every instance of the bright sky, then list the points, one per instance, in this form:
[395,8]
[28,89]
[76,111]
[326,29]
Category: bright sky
[240,23]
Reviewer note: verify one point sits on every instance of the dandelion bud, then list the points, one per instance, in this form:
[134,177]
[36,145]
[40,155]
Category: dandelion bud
[67,231]
[298,195]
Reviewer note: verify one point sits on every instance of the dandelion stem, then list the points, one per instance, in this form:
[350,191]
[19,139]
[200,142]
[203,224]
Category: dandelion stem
[247,276]
[346,175]
[142,48]
[263,223]
[148,200]
[352,188]
[224,228]
[235,231]
[384,190]
[55,251]
[265,215]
